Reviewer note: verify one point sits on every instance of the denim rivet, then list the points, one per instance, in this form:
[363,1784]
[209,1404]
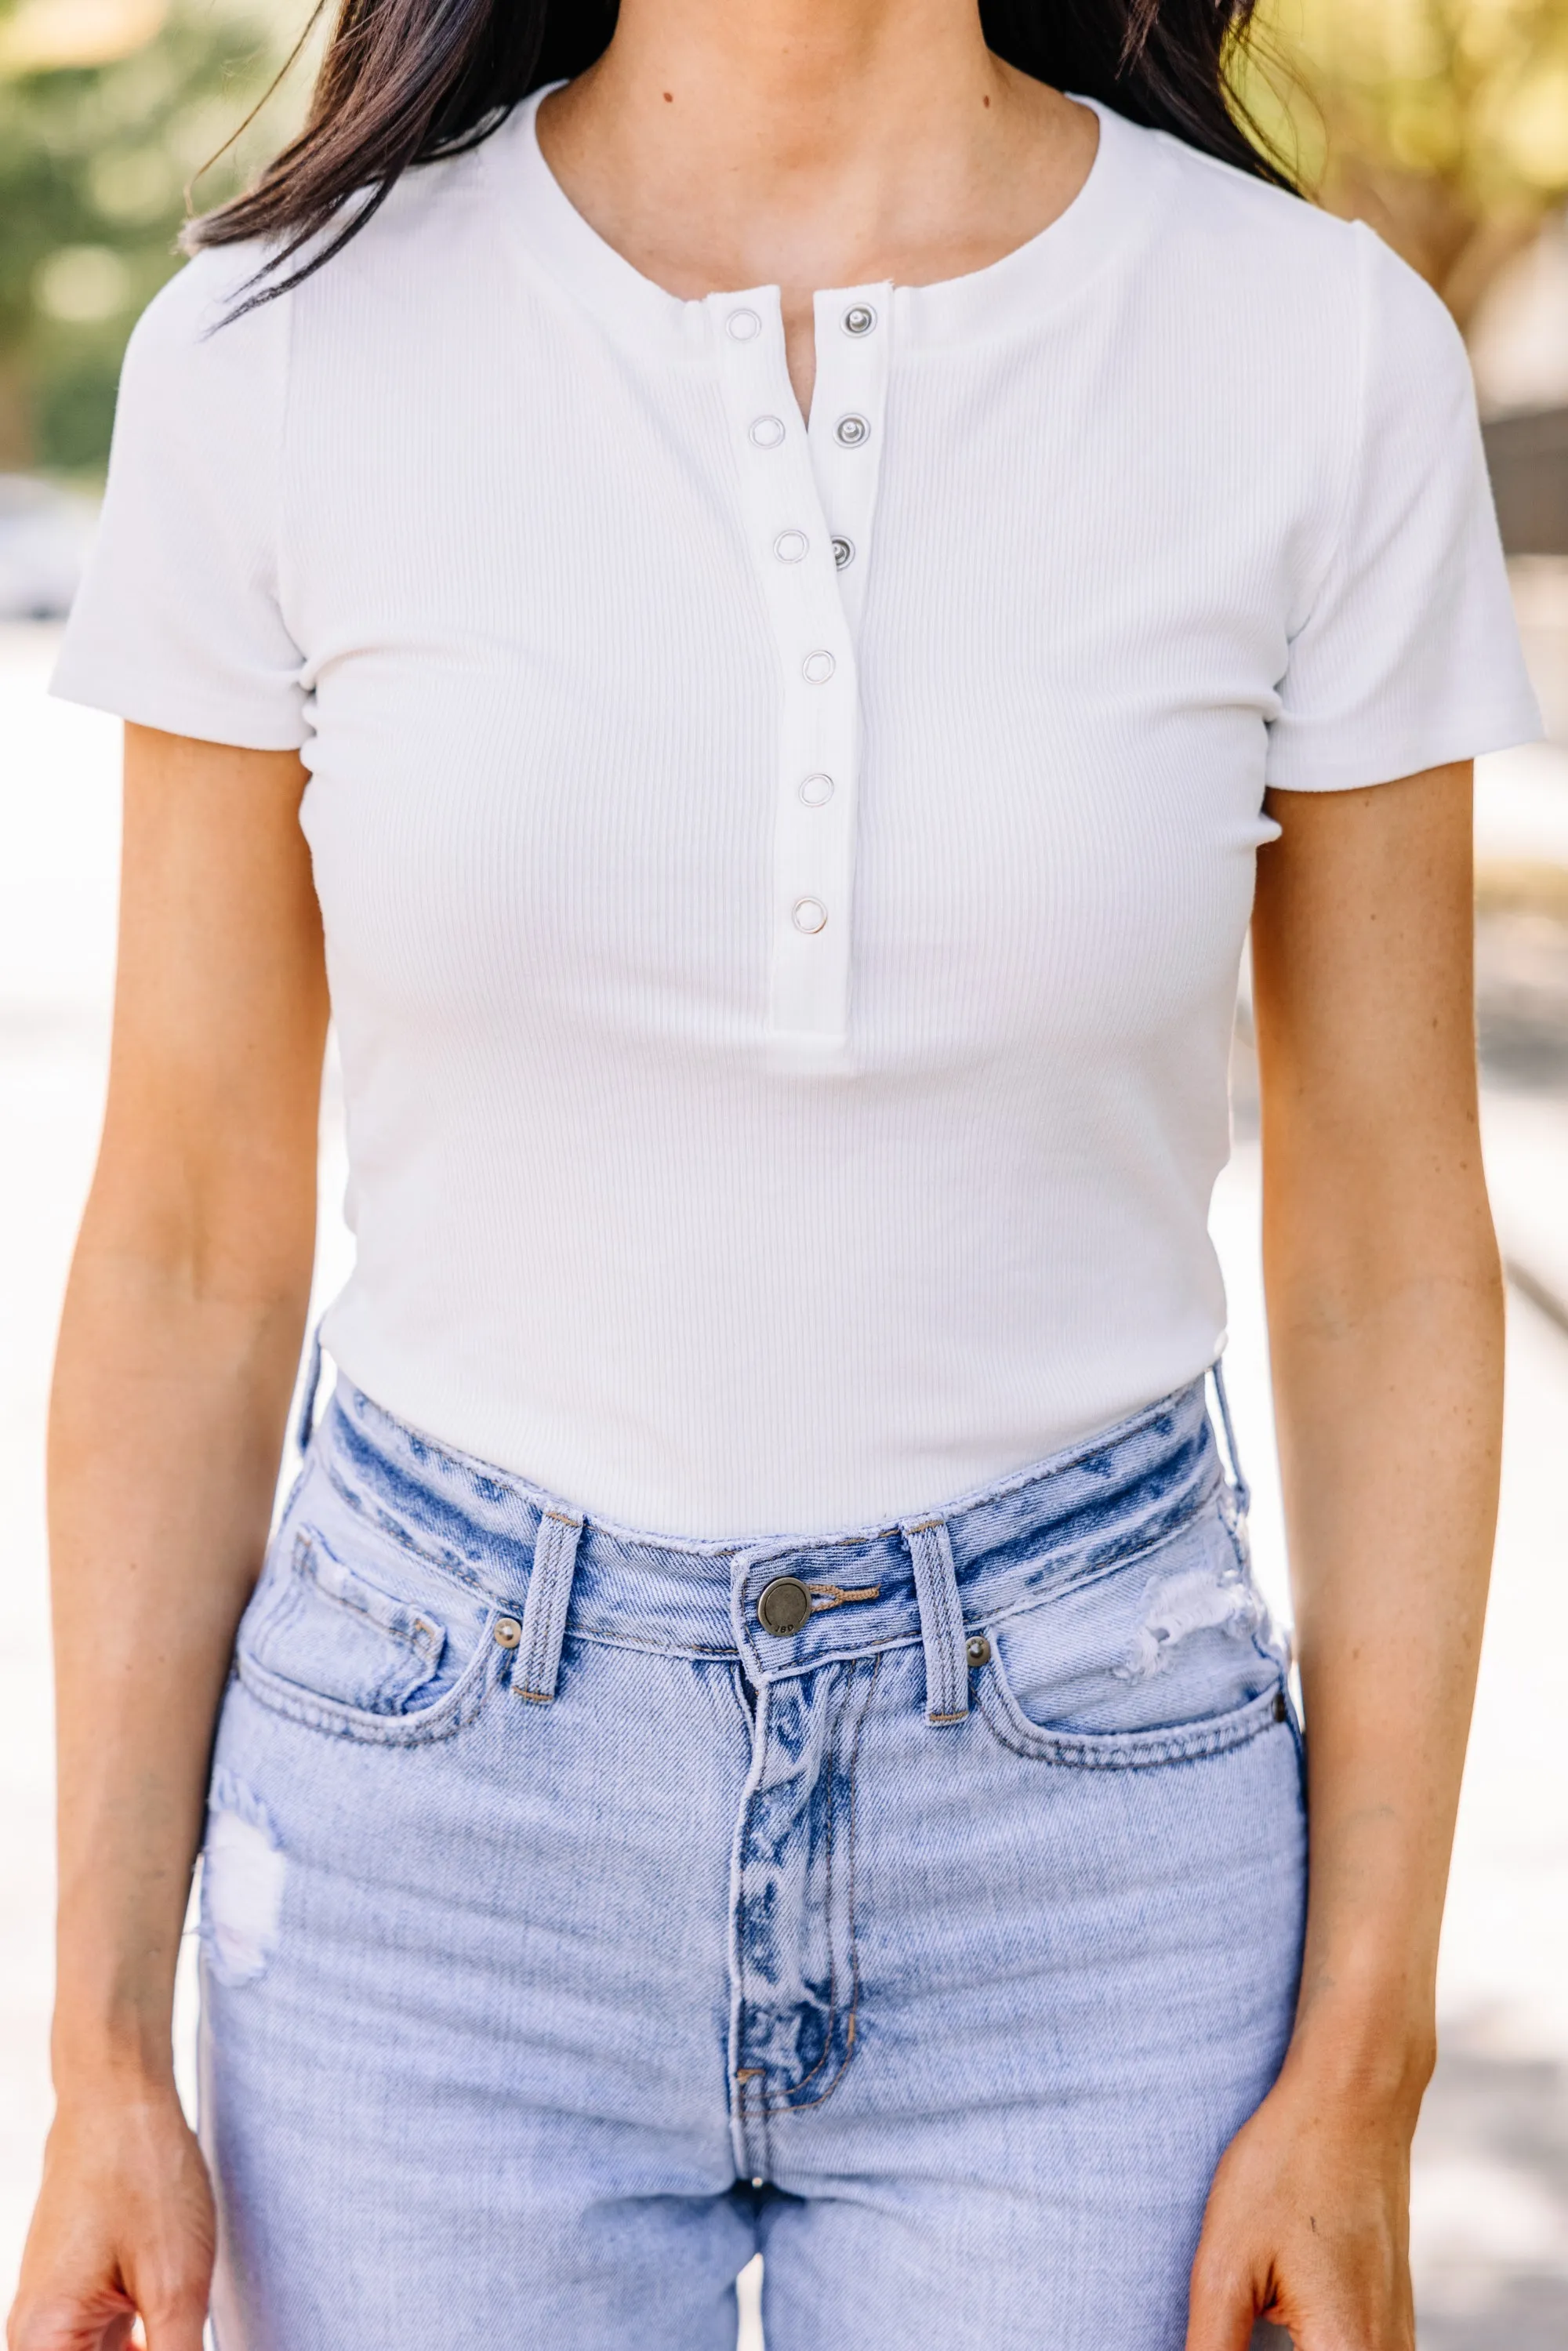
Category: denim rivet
[784,1606]
[508,1632]
[979,1649]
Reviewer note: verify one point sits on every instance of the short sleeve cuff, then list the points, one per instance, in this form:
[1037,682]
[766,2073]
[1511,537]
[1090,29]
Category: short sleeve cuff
[1307,758]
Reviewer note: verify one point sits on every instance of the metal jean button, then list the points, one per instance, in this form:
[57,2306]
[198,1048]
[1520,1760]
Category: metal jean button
[783,1605]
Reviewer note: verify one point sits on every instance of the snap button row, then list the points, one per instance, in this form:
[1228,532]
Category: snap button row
[859,319]
[790,546]
[816,791]
[741,325]
[766,432]
[844,551]
[818,668]
[809,914]
[851,432]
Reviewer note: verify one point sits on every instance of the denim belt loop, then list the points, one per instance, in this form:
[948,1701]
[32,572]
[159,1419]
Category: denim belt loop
[544,1612]
[1238,1486]
[305,1427]
[941,1620]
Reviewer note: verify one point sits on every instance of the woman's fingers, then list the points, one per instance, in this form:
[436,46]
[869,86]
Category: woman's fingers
[123,2228]
[1303,2241]
[1223,2310]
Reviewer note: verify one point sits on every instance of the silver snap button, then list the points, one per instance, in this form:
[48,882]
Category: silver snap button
[859,319]
[784,1606]
[844,551]
[766,432]
[850,432]
[818,668]
[816,791]
[508,1632]
[809,914]
[790,546]
[741,325]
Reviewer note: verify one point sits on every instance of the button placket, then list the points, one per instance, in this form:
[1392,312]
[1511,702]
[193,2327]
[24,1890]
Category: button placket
[854,327]
[794,563]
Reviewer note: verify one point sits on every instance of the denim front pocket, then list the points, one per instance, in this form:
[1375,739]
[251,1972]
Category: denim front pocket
[1158,1659]
[356,1633]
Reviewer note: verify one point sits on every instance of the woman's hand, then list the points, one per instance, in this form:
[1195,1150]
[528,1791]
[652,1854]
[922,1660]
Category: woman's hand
[1306,2225]
[123,2228]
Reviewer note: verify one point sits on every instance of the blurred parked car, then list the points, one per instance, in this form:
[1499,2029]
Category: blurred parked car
[44,537]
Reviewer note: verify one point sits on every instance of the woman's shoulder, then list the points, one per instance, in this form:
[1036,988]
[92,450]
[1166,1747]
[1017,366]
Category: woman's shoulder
[1279,271]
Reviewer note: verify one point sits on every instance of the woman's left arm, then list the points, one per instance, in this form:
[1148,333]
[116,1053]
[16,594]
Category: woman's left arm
[1385,1323]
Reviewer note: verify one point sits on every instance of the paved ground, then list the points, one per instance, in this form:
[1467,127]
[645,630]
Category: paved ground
[1491,2185]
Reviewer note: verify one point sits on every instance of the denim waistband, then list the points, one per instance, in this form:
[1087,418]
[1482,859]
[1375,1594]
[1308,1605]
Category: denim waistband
[929,1579]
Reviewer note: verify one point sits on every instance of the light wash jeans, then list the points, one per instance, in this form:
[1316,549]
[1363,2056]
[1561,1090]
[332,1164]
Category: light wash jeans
[584,1910]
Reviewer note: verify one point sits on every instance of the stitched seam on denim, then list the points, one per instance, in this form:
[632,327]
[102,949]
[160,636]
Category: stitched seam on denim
[374,1515]
[872,1648]
[545,1609]
[603,1639]
[459,1706]
[1095,1746]
[791,2104]
[474,1471]
[282,1604]
[1123,1750]
[1078,1579]
[828,1914]
[812,2105]
[306,1544]
[941,1620]
[1123,1552]
[742,1942]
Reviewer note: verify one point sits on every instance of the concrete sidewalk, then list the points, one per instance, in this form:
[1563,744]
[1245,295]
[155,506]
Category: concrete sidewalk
[1491,2184]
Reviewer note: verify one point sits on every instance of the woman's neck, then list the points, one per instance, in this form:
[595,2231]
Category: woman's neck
[808,143]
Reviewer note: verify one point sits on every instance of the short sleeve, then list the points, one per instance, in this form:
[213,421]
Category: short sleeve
[177,624]
[1408,654]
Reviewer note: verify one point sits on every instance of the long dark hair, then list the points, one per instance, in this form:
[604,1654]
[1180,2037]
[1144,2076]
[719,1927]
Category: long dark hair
[406,81]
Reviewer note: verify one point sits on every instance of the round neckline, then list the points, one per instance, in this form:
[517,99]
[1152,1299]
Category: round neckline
[1045,270]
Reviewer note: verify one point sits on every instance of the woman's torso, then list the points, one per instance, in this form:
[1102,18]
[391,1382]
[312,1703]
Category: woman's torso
[727,1157]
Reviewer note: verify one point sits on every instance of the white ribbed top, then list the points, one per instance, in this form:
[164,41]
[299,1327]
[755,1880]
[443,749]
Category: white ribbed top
[784,886]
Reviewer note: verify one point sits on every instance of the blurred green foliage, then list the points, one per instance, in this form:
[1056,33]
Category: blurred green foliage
[1443,122]
[95,159]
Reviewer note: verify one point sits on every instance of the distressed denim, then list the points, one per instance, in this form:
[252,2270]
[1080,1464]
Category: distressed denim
[569,1934]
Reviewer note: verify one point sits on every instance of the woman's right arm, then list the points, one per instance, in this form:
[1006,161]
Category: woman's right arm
[178,1350]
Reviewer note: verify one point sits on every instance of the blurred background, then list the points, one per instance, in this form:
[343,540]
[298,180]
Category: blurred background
[1445,124]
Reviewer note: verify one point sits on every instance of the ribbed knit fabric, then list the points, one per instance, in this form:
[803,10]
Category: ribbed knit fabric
[785,988]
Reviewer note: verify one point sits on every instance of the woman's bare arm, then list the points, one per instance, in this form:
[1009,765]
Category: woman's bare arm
[178,1348]
[1385,1326]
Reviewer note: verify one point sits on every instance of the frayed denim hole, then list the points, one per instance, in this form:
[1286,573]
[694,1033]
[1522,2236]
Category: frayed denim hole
[1207,1598]
[1156,1644]
[243,1875]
